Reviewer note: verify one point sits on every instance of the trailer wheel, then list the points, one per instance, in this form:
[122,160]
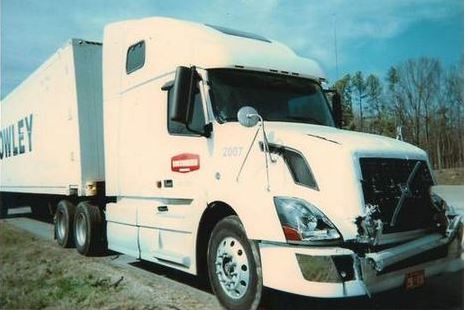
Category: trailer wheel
[64,218]
[234,266]
[88,224]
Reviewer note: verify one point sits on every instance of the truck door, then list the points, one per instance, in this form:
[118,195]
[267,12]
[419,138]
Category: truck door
[127,112]
[175,213]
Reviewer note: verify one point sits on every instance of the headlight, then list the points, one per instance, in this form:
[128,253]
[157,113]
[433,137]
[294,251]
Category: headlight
[302,221]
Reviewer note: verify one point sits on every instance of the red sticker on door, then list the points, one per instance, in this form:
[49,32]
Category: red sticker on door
[185,163]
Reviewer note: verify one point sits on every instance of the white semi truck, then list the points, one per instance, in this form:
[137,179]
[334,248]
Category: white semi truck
[216,152]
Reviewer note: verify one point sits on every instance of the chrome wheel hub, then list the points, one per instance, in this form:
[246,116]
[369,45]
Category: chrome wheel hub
[81,229]
[61,226]
[232,267]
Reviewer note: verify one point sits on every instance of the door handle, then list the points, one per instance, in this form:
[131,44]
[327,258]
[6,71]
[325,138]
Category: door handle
[162,208]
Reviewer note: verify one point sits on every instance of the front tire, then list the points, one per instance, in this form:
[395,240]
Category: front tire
[234,266]
[88,229]
[64,219]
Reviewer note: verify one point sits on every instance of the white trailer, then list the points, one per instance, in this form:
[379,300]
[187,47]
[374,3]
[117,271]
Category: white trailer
[51,139]
[223,159]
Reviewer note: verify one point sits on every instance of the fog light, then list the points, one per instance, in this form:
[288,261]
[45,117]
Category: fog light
[318,268]
[332,269]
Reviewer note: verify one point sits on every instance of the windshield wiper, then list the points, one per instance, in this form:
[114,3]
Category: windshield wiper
[406,193]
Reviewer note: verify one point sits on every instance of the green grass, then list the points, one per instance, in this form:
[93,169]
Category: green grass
[38,274]
[34,274]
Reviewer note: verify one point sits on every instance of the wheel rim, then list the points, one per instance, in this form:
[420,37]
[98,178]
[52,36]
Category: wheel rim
[61,225]
[232,267]
[81,229]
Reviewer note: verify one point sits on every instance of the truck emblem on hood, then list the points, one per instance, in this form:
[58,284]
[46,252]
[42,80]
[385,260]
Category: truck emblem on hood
[185,163]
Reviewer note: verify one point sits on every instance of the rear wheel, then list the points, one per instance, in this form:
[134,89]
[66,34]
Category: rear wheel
[88,229]
[234,266]
[64,219]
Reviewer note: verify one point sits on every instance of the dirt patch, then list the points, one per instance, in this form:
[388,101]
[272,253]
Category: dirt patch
[37,274]
[453,176]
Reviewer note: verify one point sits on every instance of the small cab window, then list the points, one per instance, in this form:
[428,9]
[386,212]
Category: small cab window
[197,122]
[135,57]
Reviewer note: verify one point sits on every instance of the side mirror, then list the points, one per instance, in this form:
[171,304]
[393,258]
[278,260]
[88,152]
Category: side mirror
[337,109]
[247,116]
[183,95]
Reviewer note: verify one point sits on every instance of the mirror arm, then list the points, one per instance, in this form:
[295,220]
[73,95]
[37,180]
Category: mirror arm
[265,142]
[247,154]
[266,149]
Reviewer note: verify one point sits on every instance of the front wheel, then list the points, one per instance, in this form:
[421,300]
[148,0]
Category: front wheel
[234,266]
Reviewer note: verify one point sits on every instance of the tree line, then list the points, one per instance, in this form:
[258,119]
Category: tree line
[418,101]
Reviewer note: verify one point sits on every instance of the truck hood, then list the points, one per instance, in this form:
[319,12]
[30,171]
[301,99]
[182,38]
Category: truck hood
[350,141]
[333,156]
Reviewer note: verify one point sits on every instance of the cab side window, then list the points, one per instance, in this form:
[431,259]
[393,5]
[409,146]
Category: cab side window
[135,57]
[198,118]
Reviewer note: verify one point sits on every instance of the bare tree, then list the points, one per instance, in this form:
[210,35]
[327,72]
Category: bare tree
[376,107]
[418,88]
[394,99]
[422,97]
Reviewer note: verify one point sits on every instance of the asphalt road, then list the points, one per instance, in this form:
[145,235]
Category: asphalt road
[442,292]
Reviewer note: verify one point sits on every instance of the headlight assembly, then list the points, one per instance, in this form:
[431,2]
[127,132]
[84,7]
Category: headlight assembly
[302,221]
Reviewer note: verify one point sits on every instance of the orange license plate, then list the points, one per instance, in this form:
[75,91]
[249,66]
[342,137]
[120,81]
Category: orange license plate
[414,279]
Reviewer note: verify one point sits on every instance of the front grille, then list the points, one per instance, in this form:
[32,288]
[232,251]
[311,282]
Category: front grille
[382,183]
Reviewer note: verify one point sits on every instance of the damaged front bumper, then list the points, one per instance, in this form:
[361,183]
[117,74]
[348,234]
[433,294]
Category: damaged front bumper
[334,272]
[383,259]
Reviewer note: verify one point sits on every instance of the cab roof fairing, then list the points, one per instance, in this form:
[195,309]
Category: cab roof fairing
[204,46]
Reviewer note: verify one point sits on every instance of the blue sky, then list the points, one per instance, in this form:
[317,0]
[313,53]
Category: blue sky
[371,35]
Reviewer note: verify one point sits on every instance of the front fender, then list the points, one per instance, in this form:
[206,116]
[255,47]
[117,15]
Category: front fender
[257,213]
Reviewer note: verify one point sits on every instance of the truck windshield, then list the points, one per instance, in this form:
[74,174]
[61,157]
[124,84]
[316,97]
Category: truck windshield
[277,98]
